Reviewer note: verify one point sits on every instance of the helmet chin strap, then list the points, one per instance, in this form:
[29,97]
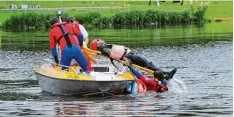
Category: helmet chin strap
[100,45]
[103,44]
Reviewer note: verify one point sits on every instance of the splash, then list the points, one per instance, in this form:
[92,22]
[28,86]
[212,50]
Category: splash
[176,85]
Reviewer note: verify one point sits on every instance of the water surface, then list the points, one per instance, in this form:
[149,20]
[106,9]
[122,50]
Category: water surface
[203,57]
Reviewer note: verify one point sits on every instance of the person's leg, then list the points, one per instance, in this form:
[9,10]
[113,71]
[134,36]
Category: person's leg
[65,58]
[135,59]
[172,73]
[80,58]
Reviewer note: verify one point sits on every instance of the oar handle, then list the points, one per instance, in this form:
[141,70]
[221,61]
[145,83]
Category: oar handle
[144,69]
[60,16]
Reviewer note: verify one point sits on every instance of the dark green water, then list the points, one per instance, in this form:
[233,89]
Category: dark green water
[203,57]
[164,36]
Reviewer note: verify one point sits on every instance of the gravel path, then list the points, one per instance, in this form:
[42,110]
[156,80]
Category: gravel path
[70,8]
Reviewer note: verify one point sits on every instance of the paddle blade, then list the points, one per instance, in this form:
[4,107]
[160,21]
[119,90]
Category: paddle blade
[88,57]
[91,52]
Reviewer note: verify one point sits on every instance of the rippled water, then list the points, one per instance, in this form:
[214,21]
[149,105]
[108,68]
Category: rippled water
[205,68]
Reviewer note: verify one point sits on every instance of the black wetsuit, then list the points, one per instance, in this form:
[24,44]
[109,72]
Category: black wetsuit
[135,59]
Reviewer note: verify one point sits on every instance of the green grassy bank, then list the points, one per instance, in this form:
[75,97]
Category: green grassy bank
[217,10]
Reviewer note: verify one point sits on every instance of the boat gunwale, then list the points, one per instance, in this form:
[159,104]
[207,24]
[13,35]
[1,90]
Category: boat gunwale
[80,80]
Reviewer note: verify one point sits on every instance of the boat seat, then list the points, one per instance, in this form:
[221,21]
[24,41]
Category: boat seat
[101,69]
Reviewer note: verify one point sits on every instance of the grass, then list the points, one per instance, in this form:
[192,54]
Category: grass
[216,9]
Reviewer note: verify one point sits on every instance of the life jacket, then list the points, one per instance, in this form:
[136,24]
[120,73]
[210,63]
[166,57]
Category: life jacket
[161,88]
[66,34]
[141,86]
[76,28]
[119,50]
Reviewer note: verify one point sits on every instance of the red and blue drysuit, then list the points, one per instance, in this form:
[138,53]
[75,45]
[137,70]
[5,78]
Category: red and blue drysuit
[77,32]
[62,33]
[80,37]
[144,84]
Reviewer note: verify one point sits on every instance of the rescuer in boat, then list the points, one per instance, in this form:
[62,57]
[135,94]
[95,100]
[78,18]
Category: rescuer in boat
[118,52]
[80,30]
[63,34]
[82,36]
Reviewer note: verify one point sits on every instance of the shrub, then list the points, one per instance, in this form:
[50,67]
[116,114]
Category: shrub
[90,17]
[80,18]
[119,19]
[186,17]
[198,16]
[130,18]
[28,20]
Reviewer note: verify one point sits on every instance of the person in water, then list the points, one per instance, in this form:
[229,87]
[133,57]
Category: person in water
[118,52]
[144,84]
[63,35]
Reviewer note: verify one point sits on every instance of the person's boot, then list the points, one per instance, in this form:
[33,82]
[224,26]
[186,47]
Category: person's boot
[164,75]
[171,73]
[160,75]
[84,71]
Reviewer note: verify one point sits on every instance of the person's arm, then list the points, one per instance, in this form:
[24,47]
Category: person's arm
[86,40]
[55,55]
[147,81]
[84,33]
[80,39]
[76,30]
[161,88]
[53,47]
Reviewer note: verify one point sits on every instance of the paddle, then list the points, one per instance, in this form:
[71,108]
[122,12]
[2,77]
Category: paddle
[88,52]
[144,69]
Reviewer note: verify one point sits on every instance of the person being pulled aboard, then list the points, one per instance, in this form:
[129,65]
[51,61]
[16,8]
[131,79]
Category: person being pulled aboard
[118,52]
[62,34]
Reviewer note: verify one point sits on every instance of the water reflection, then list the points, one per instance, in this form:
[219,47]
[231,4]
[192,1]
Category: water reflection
[164,36]
[114,105]
[70,109]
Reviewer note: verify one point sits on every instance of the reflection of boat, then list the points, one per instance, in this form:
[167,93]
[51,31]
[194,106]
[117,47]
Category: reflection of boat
[102,80]
[62,109]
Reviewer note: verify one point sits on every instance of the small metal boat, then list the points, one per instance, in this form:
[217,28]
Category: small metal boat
[103,79]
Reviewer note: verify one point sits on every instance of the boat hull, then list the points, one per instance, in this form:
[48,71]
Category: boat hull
[75,87]
[67,83]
